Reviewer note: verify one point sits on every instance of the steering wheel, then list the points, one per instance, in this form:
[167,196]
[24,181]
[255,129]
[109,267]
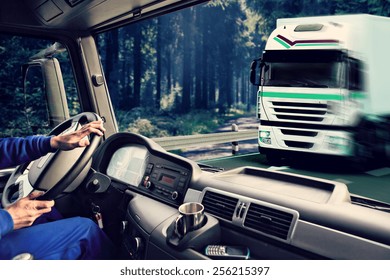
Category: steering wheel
[54,173]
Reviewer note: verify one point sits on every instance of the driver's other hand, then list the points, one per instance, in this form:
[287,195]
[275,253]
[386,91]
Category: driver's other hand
[26,210]
[77,138]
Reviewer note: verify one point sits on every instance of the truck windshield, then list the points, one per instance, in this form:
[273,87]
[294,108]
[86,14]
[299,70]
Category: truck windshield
[320,69]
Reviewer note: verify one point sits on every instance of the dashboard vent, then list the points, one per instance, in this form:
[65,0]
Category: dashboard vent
[219,205]
[269,220]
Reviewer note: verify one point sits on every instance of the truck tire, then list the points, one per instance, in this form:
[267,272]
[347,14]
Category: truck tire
[374,142]
[382,145]
[363,146]
[274,159]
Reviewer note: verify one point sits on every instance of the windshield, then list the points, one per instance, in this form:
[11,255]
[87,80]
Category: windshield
[285,74]
[302,69]
[178,76]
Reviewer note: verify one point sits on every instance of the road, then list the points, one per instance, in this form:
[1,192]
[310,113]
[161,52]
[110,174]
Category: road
[224,150]
[373,182]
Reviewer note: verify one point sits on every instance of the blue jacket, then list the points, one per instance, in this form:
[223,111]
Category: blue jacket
[15,151]
[71,238]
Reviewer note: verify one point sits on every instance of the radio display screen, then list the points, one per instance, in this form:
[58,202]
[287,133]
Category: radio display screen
[167,180]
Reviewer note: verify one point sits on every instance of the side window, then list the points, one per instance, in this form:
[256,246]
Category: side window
[355,75]
[25,103]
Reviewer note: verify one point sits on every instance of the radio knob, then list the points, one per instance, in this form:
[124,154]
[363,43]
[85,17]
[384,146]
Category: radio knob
[174,195]
[148,185]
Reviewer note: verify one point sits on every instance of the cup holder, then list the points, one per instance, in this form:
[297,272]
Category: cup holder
[208,232]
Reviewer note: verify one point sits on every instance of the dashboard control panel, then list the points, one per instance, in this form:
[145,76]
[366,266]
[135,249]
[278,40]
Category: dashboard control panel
[154,175]
[166,182]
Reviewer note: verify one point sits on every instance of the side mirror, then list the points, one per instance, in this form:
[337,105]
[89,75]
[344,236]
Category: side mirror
[255,78]
[44,91]
[35,106]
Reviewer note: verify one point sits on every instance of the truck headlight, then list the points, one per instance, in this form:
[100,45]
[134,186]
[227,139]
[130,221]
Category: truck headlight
[264,136]
[339,143]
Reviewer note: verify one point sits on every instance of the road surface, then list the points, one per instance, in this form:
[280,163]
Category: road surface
[373,182]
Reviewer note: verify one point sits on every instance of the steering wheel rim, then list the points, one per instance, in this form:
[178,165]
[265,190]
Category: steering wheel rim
[54,173]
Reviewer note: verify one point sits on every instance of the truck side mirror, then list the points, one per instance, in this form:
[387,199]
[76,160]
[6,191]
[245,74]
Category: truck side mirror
[35,101]
[43,89]
[253,72]
[255,78]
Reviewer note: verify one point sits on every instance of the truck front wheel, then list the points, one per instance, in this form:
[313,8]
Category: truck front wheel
[364,145]
[274,159]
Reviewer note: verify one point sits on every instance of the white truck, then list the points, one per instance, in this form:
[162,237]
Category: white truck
[324,88]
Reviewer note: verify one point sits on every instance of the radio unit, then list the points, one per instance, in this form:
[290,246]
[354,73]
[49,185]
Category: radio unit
[166,182]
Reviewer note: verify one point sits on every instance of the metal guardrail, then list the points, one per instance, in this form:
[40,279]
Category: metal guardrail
[186,141]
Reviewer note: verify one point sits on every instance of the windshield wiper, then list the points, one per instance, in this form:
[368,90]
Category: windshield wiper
[294,83]
[370,204]
[309,83]
[209,168]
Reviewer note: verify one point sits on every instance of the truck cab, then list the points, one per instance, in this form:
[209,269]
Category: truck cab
[318,88]
[138,187]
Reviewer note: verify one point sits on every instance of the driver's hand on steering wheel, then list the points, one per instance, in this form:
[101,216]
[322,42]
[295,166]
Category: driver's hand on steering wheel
[26,210]
[77,138]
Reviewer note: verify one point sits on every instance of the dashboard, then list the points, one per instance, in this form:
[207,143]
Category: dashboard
[276,215]
[142,165]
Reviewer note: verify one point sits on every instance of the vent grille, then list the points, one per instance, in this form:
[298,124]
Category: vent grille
[269,220]
[296,144]
[298,111]
[219,205]
[297,104]
[299,132]
[299,118]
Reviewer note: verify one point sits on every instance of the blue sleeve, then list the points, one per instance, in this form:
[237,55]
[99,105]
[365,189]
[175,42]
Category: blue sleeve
[17,150]
[6,223]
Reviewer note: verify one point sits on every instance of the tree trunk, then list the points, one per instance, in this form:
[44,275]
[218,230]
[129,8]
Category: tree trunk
[137,65]
[158,70]
[198,60]
[186,95]
[111,72]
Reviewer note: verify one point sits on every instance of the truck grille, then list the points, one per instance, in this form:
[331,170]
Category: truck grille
[298,111]
[294,132]
[298,144]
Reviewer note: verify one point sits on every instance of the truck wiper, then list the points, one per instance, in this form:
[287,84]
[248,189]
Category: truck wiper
[209,168]
[307,83]
[294,83]
[381,208]
[370,204]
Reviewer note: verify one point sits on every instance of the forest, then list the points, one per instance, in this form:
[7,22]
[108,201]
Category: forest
[193,62]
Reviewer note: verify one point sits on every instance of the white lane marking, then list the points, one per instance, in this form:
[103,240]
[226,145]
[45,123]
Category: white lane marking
[342,181]
[277,168]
